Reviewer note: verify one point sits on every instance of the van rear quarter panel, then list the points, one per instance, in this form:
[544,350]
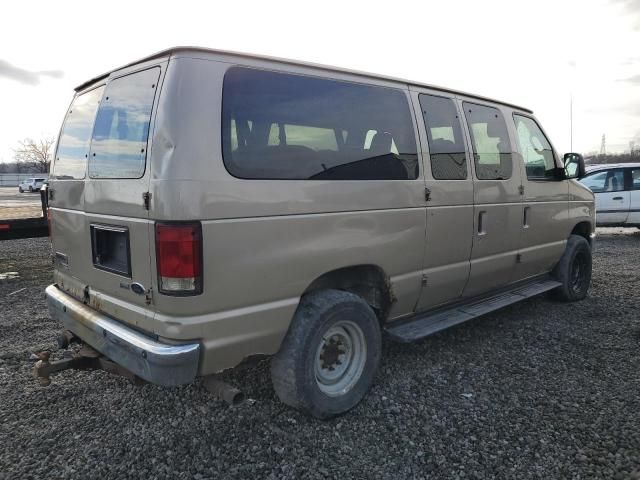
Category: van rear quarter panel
[265,241]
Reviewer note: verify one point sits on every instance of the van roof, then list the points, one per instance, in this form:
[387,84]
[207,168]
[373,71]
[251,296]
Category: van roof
[184,49]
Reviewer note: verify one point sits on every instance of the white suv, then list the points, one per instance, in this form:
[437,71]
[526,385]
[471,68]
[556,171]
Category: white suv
[31,184]
[617,191]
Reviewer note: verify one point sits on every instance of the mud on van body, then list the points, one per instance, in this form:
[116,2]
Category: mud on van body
[208,206]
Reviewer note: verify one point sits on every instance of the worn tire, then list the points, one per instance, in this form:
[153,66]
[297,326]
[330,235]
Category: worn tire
[294,368]
[574,270]
[20,190]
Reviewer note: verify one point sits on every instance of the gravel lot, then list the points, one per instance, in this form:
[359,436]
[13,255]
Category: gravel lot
[538,390]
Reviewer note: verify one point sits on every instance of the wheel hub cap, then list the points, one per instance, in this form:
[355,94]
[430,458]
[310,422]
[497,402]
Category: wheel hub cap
[340,358]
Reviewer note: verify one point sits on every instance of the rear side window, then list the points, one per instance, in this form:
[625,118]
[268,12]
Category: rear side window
[282,126]
[73,146]
[119,142]
[491,147]
[535,149]
[444,134]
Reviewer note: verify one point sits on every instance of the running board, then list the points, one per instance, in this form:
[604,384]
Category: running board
[425,324]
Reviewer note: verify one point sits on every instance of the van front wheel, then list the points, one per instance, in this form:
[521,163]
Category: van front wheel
[330,354]
[574,270]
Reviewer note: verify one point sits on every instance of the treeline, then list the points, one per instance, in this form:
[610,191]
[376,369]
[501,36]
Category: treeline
[628,157]
[23,167]
[43,167]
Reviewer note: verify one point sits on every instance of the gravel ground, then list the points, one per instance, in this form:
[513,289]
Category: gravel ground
[537,390]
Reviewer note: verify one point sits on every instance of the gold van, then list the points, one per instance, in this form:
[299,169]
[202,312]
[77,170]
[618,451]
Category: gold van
[209,207]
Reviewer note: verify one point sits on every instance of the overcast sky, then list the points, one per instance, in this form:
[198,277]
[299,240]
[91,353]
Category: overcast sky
[533,53]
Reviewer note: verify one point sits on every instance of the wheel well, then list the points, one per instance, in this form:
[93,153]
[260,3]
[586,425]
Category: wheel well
[584,230]
[367,281]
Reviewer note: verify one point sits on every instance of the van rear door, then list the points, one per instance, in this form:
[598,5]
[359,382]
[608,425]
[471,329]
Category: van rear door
[111,261]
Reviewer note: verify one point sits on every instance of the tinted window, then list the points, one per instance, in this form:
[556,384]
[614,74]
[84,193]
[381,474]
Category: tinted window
[73,146]
[119,142]
[535,149]
[280,126]
[607,181]
[446,145]
[491,147]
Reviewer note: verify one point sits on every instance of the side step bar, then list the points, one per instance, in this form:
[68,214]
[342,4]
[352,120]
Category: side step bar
[428,323]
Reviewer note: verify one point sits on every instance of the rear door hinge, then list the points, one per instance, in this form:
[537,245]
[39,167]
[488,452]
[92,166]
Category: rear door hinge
[148,296]
[146,200]
[425,279]
[521,189]
[427,194]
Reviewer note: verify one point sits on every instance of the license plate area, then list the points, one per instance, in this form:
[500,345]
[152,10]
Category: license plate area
[110,249]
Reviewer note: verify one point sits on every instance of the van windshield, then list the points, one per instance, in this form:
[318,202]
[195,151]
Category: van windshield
[119,141]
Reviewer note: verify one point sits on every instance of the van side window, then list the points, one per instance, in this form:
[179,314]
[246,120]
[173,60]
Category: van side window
[121,131]
[491,147]
[535,149]
[283,126]
[446,146]
[73,147]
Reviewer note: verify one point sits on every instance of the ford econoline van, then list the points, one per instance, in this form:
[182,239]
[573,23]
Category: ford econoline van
[208,208]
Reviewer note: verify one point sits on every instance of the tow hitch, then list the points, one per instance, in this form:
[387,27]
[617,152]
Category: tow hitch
[84,358]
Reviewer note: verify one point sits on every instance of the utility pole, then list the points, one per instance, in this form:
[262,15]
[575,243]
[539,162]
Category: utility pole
[603,145]
[571,123]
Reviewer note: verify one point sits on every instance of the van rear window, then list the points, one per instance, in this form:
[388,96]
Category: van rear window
[282,126]
[119,142]
[73,146]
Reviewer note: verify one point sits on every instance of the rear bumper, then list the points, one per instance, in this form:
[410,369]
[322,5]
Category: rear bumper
[149,359]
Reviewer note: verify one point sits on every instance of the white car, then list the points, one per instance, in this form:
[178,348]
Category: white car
[31,184]
[617,191]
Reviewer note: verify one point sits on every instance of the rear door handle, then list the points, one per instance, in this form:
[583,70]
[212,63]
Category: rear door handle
[618,198]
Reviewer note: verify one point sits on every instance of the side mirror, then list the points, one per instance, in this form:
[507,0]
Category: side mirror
[574,165]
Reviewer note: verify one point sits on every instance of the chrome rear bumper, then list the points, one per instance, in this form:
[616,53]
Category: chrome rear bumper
[149,359]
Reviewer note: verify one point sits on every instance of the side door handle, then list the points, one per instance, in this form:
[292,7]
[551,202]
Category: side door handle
[525,217]
[482,223]
[617,198]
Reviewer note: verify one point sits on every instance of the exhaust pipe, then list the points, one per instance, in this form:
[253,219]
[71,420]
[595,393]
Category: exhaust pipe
[223,391]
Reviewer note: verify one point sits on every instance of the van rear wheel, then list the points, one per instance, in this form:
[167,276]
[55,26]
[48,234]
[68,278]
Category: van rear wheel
[330,354]
[574,270]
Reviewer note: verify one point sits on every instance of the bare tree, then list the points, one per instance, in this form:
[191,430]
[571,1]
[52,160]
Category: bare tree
[35,155]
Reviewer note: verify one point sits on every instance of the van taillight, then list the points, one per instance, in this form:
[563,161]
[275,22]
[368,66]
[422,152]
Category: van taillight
[179,258]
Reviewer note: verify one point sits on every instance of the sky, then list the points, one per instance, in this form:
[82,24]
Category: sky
[539,54]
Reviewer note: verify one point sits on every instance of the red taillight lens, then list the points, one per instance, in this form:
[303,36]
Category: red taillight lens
[179,258]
